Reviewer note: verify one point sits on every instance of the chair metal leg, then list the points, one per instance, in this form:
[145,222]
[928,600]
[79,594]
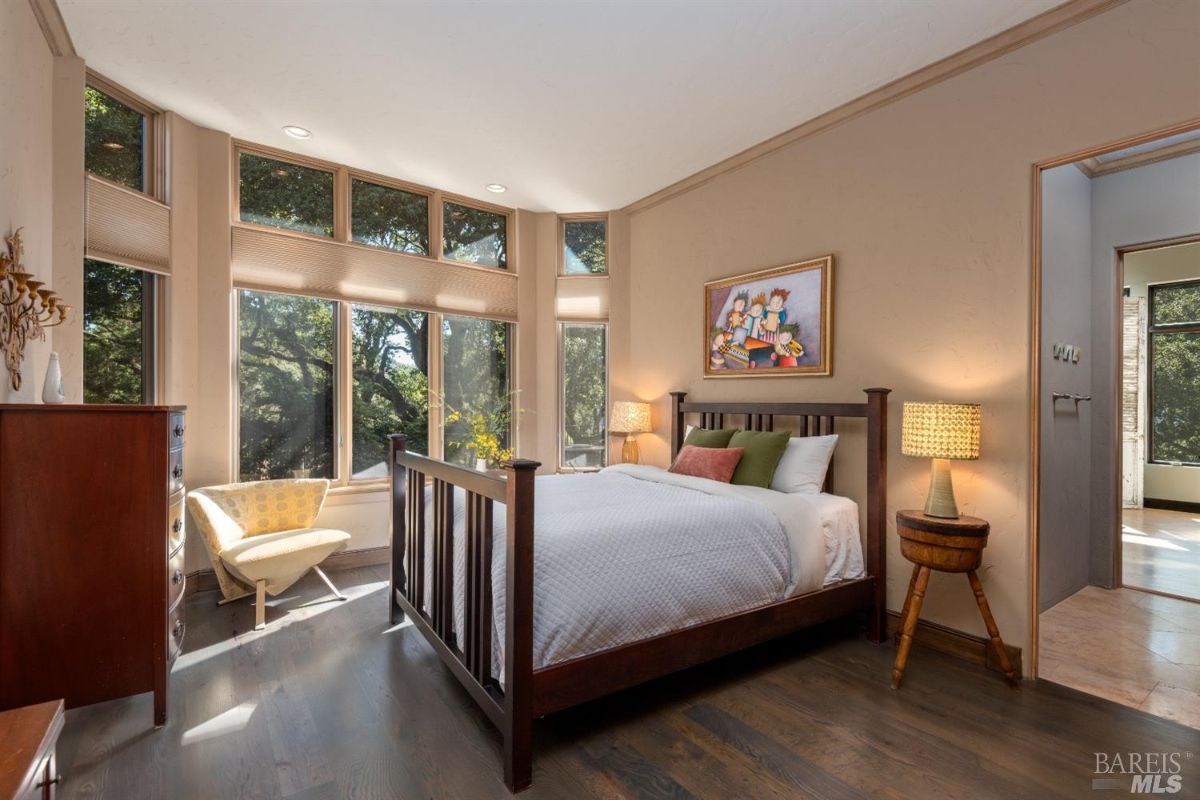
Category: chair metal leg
[226,600]
[260,605]
[321,574]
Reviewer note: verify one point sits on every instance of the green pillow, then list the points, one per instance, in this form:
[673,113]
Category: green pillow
[762,453]
[701,437]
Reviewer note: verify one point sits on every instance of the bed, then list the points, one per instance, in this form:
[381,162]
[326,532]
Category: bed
[634,572]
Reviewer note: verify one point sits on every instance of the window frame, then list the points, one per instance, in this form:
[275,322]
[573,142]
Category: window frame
[559,439]
[153,309]
[563,219]
[388,183]
[1151,330]
[510,230]
[154,183]
[340,218]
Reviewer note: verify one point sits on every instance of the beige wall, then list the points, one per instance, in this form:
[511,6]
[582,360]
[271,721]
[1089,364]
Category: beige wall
[926,206]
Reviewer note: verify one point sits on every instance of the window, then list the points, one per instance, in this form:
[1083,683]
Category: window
[584,366]
[286,386]
[585,247]
[386,217]
[390,350]
[1174,330]
[285,195]
[118,334]
[477,406]
[115,140]
[474,236]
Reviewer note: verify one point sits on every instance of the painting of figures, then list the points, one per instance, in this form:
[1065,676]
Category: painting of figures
[773,322]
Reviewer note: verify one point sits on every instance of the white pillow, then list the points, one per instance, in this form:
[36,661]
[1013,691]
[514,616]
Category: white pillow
[804,464]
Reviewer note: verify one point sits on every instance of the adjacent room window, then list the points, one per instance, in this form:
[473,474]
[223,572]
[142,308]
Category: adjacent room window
[114,140]
[1174,330]
[585,247]
[584,366]
[474,236]
[286,386]
[390,349]
[477,405]
[284,195]
[384,216]
[118,334]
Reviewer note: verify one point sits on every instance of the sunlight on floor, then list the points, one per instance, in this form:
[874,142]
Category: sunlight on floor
[231,721]
[1150,541]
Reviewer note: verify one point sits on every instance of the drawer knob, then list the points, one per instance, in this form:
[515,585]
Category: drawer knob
[177,577]
[177,471]
[178,431]
[177,525]
[178,630]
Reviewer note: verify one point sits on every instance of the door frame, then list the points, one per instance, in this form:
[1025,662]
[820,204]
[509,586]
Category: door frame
[1035,362]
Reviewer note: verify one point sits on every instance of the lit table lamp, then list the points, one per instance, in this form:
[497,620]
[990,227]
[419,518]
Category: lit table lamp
[941,431]
[630,418]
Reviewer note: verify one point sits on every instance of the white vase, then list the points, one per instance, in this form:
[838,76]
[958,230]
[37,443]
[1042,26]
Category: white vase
[52,389]
[481,464]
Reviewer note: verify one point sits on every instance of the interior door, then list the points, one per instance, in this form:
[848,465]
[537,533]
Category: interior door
[1133,382]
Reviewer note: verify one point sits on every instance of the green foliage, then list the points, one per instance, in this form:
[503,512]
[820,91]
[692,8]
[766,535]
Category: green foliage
[1175,303]
[584,395]
[391,384]
[388,217]
[1175,374]
[474,236]
[585,245]
[286,195]
[286,385]
[475,382]
[113,139]
[112,333]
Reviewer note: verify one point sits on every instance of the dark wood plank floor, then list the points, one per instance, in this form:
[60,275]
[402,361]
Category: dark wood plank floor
[329,702]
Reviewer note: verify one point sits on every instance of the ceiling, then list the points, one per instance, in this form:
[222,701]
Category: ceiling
[575,106]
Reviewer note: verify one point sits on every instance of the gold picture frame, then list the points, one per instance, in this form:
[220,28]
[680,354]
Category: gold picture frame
[775,322]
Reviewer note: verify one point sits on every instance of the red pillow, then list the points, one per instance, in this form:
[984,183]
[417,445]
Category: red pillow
[714,463]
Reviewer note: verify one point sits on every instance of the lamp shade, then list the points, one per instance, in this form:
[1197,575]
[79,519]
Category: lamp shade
[630,417]
[941,430]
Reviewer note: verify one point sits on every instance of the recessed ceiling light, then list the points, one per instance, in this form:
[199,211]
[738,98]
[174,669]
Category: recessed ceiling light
[296,132]
[496,187]
[114,145]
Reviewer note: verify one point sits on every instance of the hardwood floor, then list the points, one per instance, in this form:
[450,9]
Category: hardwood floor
[329,702]
[1160,550]
[1134,648]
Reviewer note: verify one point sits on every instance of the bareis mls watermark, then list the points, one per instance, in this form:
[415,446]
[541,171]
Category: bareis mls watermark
[1140,773]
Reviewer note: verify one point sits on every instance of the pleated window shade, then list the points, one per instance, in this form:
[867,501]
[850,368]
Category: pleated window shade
[582,298]
[269,260]
[127,227]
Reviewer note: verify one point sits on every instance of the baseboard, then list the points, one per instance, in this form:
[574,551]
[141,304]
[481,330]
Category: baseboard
[1171,505]
[966,646]
[205,580]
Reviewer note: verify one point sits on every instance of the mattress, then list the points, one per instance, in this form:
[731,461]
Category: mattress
[634,552]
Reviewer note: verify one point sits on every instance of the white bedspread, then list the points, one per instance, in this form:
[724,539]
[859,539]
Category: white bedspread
[636,551]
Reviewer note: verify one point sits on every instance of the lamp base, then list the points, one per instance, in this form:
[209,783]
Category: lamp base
[629,450]
[940,502]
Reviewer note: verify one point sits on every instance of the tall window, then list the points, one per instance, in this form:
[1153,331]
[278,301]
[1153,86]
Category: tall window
[585,247]
[384,216]
[477,406]
[286,386]
[284,195]
[118,334]
[390,350]
[584,395]
[1174,330]
[115,140]
[474,236]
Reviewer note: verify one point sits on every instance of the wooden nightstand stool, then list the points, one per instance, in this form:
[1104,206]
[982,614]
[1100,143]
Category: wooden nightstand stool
[947,545]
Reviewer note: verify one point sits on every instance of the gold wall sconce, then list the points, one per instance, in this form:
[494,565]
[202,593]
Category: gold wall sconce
[27,308]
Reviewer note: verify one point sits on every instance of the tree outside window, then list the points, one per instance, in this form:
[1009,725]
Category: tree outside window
[1175,373]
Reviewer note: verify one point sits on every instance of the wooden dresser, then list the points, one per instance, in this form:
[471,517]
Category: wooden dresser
[91,550]
[28,765]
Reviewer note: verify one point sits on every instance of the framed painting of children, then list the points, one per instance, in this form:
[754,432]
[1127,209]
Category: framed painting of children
[774,322]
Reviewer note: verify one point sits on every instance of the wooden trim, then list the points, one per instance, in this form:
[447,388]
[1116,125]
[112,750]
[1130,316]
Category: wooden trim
[561,259]
[154,146]
[205,580]
[1045,24]
[975,649]
[1161,593]
[50,20]
[1098,168]
[1171,505]
[510,230]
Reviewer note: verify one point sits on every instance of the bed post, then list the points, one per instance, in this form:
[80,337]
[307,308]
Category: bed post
[877,447]
[518,625]
[399,481]
[677,426]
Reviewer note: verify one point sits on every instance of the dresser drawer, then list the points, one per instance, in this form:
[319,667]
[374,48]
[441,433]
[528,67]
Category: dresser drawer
[175,471]
[175,631]
[176,520]
[177,429]
[176,579]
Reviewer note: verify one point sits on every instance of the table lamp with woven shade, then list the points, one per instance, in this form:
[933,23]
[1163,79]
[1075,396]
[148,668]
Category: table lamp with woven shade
[941,431]
[630,418]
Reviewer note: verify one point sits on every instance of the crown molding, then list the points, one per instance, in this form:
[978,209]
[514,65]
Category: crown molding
[1049,22]
[50,20]
[1094,168]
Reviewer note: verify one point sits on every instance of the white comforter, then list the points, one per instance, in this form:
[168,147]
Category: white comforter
[635,551]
